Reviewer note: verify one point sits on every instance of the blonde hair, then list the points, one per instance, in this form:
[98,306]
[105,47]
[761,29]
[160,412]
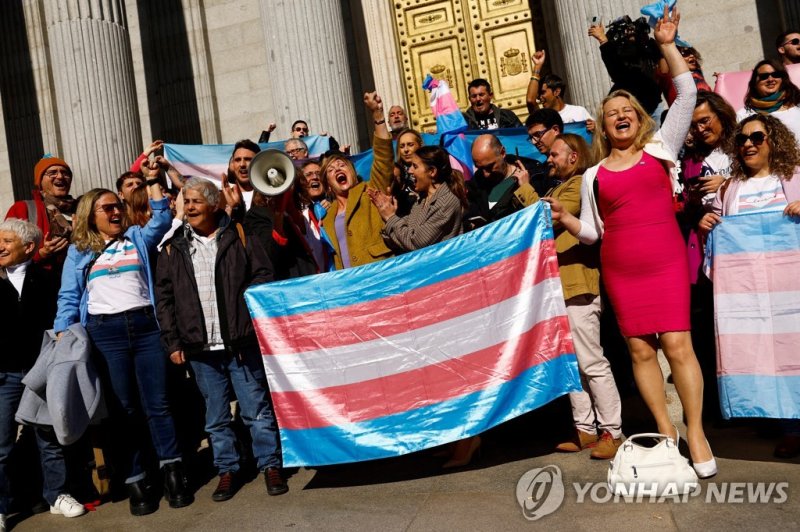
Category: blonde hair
[601,146]
[85,235]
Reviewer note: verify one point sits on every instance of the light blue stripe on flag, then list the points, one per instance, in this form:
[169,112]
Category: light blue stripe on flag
[447,421]
[756,232]
[760,396]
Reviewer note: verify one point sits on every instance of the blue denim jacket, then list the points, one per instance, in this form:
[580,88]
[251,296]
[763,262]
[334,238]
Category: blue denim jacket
[73,301]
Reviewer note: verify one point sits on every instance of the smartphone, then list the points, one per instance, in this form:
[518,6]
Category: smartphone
[593,20]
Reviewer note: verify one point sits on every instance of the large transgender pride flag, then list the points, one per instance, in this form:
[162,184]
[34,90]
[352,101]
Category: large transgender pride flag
[419,350]
[757,314]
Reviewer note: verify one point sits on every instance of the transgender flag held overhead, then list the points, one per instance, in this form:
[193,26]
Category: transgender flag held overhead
[757,314]
[419,350]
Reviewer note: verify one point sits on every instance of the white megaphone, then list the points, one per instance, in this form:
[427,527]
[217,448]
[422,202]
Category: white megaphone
[271,172]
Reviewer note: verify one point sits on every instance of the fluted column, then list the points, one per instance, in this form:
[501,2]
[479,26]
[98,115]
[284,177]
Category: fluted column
[307,66]
[92,70]
[201,66]
[379,22]
[577,53]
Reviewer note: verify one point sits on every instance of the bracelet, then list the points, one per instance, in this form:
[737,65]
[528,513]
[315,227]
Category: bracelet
[379,122]
[535,78]
[151,182]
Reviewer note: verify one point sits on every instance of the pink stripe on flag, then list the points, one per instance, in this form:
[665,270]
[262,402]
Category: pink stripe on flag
[353,403]
[736,270]
[408,311]
[767,354]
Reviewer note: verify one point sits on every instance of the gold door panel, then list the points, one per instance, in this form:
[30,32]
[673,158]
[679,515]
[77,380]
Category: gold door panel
[460,40]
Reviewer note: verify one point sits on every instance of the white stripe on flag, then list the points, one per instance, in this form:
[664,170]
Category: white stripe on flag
[422,347]
[758,313]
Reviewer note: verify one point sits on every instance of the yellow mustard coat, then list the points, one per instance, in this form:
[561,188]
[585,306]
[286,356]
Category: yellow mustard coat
[363,223]
[577,263]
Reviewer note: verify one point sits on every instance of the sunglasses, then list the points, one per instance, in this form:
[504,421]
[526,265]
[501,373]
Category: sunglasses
[756,137]
[303,129]
[109,208]
[793,42]
[762,76]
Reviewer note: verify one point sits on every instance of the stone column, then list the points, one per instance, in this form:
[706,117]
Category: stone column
[92,70]
[379,21]
[577,53]
[307,66]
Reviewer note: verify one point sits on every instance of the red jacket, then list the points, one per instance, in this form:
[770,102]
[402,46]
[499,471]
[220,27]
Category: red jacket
[20,210]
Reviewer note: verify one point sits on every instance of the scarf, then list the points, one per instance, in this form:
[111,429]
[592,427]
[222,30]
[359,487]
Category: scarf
[767,105]
[65,205]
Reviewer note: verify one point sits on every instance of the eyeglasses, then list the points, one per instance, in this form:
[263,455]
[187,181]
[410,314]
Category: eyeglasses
[762,76]
[756,137]
[56,173]
[536,137]
[311,173]
[703,123]
[109,208]
[793,42]
[303,129]
[296,151]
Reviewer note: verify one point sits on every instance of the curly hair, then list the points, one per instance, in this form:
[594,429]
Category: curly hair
[784,156]
[790,90]
[601,146]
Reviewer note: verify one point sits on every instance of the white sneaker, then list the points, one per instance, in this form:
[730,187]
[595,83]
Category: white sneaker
[67,506]
[3,518]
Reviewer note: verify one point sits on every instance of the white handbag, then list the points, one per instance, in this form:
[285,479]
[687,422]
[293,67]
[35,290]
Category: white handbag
[650,471]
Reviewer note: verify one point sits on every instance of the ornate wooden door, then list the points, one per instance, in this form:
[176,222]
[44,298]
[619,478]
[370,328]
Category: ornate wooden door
[460,40]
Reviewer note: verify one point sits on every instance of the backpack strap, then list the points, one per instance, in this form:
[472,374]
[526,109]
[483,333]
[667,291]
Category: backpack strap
[242,237]
[33,211]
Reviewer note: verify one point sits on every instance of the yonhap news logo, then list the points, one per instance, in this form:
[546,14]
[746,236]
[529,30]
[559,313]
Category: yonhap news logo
[541,491]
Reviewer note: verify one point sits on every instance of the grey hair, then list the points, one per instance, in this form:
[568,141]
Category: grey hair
[208,189]
[26,231]
[301,142]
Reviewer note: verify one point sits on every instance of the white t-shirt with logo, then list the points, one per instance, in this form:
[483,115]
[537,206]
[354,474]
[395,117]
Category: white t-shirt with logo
[761,194]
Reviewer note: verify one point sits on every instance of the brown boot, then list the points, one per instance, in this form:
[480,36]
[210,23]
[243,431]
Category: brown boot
[581,440]
[606,448]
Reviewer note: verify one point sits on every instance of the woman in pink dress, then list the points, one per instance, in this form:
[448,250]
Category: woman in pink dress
[627,201]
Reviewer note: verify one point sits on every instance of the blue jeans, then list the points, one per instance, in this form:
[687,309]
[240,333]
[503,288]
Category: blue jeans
[219,376]
[137,371]
[51,455]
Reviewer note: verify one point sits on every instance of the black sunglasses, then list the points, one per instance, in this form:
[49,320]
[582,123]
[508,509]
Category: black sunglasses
[762,76]
[793,42]
[756,137]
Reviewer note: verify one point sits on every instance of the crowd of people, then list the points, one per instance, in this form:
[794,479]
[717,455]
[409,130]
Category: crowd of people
[155,271]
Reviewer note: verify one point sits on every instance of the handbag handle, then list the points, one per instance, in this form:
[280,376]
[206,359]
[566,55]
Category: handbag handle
[654,435]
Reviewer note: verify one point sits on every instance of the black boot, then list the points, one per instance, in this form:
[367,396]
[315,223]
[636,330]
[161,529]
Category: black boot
[176,488]
[141,498]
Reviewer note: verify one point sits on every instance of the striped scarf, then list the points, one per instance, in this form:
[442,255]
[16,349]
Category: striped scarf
[767,105]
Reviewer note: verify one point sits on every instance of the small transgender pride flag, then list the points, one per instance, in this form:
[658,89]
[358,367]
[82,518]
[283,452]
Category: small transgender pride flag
[757,314]
[418,350]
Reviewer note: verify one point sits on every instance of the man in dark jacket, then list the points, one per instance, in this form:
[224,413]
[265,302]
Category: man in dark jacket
[482,113]
[28,294]
[201,277]
[501,185]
